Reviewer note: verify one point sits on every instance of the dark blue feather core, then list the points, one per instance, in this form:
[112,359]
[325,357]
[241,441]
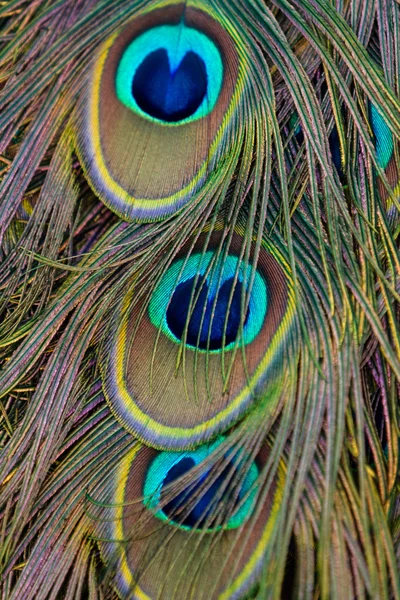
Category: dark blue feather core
[208,322]
[208,496]
[167,95]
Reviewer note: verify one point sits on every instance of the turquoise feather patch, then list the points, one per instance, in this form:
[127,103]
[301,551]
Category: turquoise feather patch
[383,138]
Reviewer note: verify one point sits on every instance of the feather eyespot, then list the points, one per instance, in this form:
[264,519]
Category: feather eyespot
[173,512]
[210,342]
[158,110]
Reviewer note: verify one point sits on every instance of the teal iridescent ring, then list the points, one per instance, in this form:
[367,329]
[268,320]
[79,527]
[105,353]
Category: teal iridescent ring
[171,74]
[202,304]
[167,466]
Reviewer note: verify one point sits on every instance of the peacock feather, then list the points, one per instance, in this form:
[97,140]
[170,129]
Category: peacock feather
[200,291]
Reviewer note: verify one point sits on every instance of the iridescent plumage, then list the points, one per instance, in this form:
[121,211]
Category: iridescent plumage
[200,287]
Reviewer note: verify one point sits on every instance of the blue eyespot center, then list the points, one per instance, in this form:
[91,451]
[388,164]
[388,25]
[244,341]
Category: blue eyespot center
[171,74]
[209,306]
[201,512]
[214,321]
[170,95]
